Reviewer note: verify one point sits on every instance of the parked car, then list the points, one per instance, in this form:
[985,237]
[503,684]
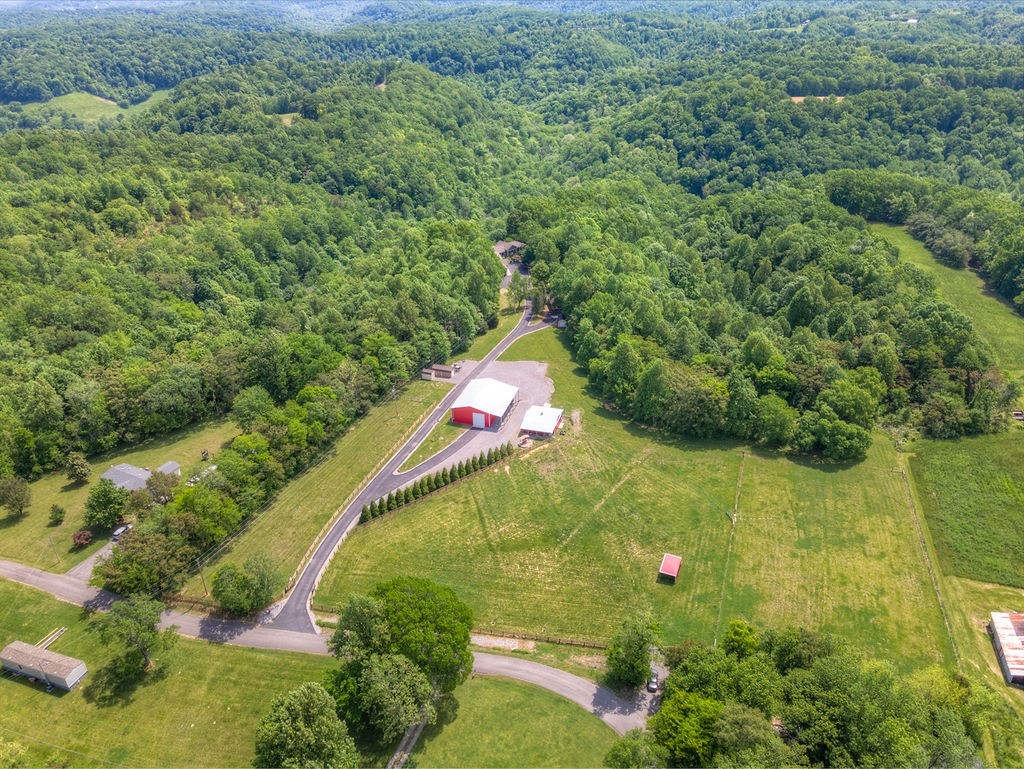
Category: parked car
[652,682]
[120,531]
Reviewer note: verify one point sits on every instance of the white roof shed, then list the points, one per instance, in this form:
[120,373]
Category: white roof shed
[542,419]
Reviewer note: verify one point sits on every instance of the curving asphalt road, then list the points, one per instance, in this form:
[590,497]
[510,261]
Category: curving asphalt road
[294,613]
[620,714]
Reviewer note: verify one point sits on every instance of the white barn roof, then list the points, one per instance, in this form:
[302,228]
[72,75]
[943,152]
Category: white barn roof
[487,395]
[541,419]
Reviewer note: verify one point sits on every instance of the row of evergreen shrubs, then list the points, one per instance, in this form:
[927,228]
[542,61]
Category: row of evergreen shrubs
[430,483]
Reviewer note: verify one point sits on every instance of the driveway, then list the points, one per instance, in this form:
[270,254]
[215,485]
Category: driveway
[294,613]
[620,714]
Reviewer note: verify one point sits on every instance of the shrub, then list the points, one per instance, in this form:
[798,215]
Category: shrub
[57,514]
[81,538]
[364,514]
[446,477]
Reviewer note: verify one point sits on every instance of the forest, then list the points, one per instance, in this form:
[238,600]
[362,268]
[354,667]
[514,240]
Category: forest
[307,219]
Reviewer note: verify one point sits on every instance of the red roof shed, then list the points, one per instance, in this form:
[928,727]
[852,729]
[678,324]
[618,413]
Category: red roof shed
[670,565]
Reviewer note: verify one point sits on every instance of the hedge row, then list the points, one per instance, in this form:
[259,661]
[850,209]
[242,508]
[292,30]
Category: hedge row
[431,483]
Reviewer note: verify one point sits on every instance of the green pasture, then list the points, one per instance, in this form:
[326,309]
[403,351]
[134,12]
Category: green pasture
[993,319]
[836,548]
[503,723]
[31,541]
[200,707]
[91,108]
[972,492]
[291,524]
[566,539]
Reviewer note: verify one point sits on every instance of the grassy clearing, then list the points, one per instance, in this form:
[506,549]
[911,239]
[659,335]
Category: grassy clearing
[835,548]
[491,730]
[31,541]
[290,525]
[567,540]
[441,436]
[91,108]
[993,319]
[972,492]
[199,708]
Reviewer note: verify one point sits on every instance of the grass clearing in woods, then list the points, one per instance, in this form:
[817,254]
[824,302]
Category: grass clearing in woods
[568,542]
[91,108]
[504,723]
[993,319]
[31,541]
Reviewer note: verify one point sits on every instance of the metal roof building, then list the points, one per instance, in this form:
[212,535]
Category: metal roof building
[133,478]
[670,565]
[542,421]
[54,669]
[126,476]
[1007,630]
[484,403]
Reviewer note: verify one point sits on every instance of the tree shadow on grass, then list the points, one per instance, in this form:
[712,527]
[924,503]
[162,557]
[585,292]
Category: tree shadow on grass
[115,684]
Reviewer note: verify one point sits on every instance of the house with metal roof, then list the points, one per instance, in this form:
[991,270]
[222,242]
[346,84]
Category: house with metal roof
[541,421]
[133,478]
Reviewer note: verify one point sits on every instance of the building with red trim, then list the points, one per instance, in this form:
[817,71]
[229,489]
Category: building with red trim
[484,403]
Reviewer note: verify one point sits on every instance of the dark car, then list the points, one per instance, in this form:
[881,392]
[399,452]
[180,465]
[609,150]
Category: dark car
[652,682]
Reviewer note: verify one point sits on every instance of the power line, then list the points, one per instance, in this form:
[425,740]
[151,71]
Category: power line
[58,747]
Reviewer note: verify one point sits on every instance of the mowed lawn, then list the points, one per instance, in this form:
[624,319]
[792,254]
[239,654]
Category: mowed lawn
[566,541]
[972,492]
[200,707]
[836,548]
[993,319]
[30,540]
[503,723]
[291,524]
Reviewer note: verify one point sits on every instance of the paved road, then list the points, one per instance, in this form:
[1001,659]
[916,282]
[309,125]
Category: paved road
[294,614]
[620,714]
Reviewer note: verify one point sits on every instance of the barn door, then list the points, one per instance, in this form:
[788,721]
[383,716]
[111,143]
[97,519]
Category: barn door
[478,419]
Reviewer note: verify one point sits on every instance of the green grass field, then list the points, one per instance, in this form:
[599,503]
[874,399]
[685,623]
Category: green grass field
[491,730]
[972,492]
[836,548]
[199,708]
[442,435]
[567,540]
[31,541]
[993,319]
[91,108]
[290,525]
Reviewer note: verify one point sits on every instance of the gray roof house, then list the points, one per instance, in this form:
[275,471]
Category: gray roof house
[133,478]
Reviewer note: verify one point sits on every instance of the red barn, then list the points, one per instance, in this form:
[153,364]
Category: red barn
[484,403]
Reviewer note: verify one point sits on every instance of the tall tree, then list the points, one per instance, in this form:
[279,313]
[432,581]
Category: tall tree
[133,624]
[629,653]
[303,731]
[105,504]
[15,495]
